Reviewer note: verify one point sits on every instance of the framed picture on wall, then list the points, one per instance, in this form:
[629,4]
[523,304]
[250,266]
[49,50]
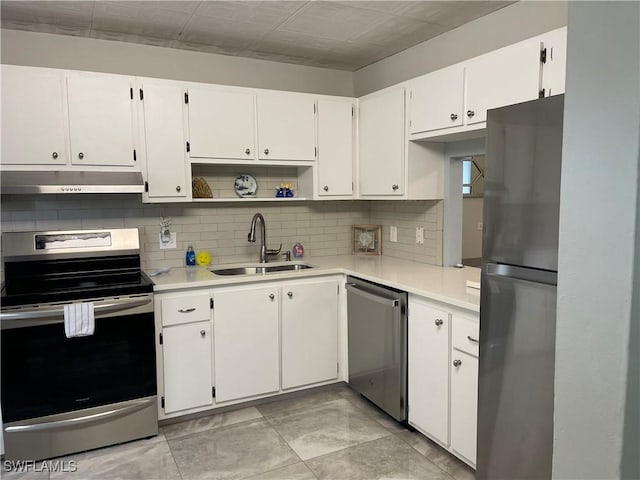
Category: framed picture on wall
[366,239]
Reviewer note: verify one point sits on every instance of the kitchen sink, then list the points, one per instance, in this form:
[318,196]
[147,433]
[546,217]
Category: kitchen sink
[261,269]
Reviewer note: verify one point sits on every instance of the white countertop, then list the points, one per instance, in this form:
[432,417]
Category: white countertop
[445,284]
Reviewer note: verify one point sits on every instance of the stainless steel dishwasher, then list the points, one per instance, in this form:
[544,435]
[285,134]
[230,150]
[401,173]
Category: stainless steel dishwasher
[377,337]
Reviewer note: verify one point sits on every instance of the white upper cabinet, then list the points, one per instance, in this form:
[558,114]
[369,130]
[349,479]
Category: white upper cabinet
[554,67]
[165,144]
[503,77]
[382,143]
[335,148]
[221,124]
[436,100]
[101,119]
[286,126]
[34,122]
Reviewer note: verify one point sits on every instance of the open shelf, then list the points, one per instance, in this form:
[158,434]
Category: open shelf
[221,179]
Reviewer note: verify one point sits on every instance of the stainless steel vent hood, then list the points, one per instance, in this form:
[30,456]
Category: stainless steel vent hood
[71,182]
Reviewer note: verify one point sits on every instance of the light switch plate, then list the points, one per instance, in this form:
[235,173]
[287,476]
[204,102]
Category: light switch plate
[480,226]
[419,235]
[173,243]
[393,234]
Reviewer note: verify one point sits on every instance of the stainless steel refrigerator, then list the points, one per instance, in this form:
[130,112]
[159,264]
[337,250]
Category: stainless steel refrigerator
[518,290]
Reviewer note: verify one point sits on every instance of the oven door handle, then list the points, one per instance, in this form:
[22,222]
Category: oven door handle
[58,312]
[134,406]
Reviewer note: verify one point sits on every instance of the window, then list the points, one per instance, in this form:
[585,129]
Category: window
[473,176]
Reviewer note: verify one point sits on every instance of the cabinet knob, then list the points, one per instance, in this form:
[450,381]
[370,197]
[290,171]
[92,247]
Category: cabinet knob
[326,188]
[203,333]
[248,151]
[453,116]
[394,187]
[54,154]
[178,188]
[266,151]
[439,322]
[272,296]
[81,155]
[290,294]
[470,113]
[457,363]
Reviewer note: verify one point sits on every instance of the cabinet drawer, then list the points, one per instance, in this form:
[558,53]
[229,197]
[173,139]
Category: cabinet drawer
[185,308]
[465,334]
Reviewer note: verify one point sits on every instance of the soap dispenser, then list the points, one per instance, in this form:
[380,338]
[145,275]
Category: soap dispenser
[190,257]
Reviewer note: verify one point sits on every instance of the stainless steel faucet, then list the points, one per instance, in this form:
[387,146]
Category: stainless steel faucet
[252,236]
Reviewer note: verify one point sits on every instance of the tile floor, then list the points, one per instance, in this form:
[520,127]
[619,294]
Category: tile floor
[331,433]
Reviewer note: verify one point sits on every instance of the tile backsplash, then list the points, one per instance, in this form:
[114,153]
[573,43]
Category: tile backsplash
[406,216]
[324,228]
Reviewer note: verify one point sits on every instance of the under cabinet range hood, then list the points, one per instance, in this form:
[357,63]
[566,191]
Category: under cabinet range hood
[71,182]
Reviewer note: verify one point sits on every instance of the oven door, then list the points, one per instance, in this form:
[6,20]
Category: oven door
[44,373]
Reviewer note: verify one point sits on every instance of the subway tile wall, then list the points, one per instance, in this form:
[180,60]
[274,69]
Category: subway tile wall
[406,216]
[324,228]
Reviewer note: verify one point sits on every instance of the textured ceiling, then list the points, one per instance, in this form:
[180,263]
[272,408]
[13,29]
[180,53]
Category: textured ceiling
[343,35]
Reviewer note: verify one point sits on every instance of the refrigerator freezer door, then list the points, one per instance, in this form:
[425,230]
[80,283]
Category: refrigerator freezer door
[516,373]
[522,184]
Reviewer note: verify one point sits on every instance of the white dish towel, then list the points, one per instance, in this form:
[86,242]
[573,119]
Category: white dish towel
[79,320]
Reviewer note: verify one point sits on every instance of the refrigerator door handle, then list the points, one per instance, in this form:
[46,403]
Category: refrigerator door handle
[528,274]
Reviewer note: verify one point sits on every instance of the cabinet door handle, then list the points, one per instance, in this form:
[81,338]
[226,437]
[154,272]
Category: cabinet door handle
[290,294]
[453,116]
[81,155]
[178,188]
[187,310]
[266,151]
[457,363]
[248,151]
[439,322]
[471,339]
[54,154]
[326,188]
[470,113]
[272,296]
[203,333]
[395,187]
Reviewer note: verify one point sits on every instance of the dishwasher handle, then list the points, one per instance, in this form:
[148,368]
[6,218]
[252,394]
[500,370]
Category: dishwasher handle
[389,302]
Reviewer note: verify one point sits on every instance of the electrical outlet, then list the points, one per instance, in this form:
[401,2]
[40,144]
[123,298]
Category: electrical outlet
[480,226]
[172,243]
[393,234]
[420,235]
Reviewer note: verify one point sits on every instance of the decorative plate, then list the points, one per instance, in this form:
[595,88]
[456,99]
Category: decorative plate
[245,185]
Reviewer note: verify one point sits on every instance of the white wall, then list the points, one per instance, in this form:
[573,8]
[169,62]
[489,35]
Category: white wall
[508,25]
[471,236]
[77,53]
[598,250]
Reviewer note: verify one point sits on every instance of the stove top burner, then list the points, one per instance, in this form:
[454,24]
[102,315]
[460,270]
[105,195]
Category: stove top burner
[53,281]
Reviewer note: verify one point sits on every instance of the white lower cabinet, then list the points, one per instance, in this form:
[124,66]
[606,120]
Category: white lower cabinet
[187,366]
[443,375]
[246,342]
[309,333]
[227,345]
[464,386]
[429,370]
[464,404]
[185,345]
